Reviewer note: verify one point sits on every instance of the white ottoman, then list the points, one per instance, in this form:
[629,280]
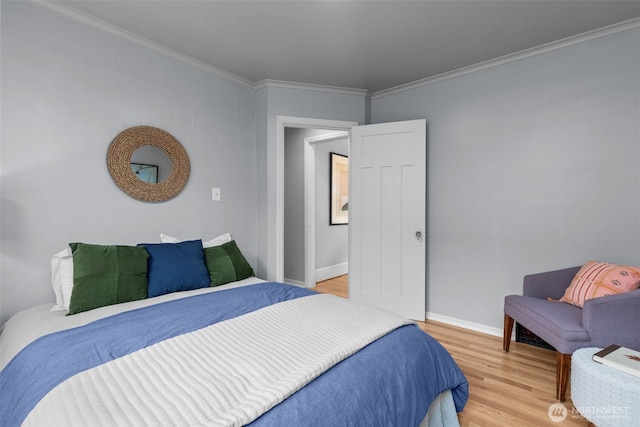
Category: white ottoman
[603,395]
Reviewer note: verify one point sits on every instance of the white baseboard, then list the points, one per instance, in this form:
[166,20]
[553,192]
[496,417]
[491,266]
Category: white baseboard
[477,327]
[331,271]
[295,282]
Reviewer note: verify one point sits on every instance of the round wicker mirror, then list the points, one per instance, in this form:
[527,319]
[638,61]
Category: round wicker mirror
[119,163]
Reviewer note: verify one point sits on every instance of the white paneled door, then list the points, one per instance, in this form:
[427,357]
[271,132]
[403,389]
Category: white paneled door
[387,216]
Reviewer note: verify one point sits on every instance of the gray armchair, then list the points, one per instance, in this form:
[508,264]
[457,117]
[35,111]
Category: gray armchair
[612,319]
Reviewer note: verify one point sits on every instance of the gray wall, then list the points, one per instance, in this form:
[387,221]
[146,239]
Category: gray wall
[67,90]
[532,166]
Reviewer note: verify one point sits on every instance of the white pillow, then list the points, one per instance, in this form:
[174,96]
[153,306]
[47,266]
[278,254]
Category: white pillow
[62,278]
[216,241]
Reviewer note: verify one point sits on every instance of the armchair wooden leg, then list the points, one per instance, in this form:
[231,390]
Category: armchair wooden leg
[508,329]
[562,375]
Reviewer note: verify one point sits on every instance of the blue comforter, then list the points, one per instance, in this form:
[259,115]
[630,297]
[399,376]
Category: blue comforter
[390,382]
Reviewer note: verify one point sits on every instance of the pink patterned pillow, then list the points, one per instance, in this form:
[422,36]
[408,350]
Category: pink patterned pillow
[597,279]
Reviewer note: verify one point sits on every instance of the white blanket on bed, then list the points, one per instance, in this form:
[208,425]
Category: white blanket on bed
[226,374]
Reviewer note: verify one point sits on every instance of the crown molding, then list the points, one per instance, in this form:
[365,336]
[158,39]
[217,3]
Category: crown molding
[548,47]
[310,86]
[76,15]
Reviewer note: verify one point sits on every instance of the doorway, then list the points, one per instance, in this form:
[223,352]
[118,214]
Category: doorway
[331,129]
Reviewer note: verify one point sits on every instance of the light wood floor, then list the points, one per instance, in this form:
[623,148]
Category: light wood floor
[505,389]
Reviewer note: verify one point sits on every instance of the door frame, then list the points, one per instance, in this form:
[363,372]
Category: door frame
[283,122]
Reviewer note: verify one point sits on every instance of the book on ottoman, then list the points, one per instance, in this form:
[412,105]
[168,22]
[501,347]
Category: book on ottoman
[621,358]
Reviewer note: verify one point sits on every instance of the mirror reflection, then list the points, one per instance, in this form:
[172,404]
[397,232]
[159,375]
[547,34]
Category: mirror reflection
[151,164]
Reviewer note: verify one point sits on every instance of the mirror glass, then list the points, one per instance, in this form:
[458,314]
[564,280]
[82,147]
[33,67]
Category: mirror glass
[151,164]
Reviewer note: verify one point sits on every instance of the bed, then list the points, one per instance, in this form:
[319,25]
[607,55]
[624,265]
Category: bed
[248,352]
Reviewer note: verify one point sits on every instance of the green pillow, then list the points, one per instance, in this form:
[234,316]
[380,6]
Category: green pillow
[106,275]
[226,264]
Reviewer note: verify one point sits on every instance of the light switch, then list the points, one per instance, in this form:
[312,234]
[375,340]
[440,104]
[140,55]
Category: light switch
[215,194]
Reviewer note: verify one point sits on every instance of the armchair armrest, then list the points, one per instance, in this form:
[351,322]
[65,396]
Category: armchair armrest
[548,284]
[613,319]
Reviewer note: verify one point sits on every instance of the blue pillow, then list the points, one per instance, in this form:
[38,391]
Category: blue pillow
[176,267]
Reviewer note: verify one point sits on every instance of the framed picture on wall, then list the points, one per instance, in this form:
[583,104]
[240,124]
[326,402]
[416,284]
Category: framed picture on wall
[339,189]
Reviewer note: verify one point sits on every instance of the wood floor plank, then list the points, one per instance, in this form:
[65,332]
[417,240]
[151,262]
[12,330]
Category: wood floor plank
[505,389]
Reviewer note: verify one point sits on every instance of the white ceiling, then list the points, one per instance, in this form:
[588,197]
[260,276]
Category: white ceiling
[373,45]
